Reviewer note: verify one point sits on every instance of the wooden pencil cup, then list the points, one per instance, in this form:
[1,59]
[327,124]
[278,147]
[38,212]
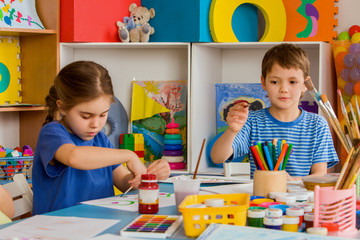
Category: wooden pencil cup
[265,182]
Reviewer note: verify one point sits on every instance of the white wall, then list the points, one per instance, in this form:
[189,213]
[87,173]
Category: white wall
[348,14]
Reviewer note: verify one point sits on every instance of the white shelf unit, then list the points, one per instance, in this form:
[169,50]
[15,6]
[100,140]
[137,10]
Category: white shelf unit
[202,65]
[239,62]
[126,61]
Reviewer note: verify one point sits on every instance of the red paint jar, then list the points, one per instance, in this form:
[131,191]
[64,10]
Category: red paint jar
[148,194]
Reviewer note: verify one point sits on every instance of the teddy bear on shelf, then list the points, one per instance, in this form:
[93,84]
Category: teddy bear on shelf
[136,27]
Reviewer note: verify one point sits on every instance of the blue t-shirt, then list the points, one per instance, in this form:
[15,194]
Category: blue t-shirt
[309,134]
[57,186]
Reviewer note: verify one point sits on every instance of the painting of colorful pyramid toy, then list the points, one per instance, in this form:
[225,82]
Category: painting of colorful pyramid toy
[173,148]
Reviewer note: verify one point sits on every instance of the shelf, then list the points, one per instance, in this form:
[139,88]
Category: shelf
[22,108]
[22,32]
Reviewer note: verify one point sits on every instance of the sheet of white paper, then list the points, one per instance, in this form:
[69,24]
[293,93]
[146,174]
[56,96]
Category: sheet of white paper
[130,202]
[230,188]
[112,237]
[56,228]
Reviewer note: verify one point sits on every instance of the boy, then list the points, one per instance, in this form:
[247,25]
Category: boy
[285,67]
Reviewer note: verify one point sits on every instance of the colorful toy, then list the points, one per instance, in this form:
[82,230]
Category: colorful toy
[354,29]
[173,153]
[244,21]
[10,75]
[136,27]
[221,12]
[344,36]
[133,142]
[355,38]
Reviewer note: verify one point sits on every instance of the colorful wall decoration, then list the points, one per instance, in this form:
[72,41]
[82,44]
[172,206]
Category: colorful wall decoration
[10,84]
[310,20]
[19,14]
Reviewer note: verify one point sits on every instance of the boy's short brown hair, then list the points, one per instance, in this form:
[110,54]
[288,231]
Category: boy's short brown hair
[287,56]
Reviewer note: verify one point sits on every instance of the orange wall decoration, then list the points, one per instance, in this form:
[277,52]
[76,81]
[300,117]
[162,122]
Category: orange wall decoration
[310,20]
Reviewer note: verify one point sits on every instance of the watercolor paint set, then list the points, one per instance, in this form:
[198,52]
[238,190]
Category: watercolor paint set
[152,226]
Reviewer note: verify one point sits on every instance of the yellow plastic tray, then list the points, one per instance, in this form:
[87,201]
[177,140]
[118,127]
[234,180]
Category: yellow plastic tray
[196,220]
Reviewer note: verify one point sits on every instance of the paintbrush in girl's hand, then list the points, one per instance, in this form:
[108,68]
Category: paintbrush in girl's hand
[121,195]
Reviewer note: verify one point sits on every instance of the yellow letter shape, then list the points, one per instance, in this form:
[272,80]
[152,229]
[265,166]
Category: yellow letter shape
[221,12]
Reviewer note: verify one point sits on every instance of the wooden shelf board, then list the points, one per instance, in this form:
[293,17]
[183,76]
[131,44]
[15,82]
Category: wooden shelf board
[22,108]
[16,32]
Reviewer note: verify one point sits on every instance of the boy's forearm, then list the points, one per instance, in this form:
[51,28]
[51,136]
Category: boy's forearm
[222,148]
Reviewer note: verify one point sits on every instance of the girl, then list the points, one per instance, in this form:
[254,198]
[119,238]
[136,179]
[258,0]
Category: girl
[74,161]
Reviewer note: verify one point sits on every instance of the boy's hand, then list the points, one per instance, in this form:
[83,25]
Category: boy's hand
[160,168]
[237,116]
[137,168]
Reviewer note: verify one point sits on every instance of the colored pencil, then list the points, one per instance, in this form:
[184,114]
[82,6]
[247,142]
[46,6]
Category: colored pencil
[268,158]
[261,156]
[274,154]
[257,158]
[281,156]
[288,152]
[253,156]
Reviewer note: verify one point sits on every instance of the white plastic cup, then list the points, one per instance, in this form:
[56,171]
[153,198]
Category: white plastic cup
[183,188]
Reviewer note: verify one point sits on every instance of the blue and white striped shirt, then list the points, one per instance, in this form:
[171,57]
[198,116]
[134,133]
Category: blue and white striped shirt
[309,134]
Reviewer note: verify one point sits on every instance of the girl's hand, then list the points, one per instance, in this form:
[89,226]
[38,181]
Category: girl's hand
[137,168]
[160,168]
[237,116]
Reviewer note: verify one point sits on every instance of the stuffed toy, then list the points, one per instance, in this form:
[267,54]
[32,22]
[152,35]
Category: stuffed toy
[136,27]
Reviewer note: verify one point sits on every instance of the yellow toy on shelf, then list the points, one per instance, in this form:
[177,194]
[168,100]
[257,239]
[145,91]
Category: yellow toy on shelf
[221,12]
[10,85]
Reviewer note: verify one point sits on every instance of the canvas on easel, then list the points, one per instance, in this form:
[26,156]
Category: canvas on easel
[228,93]
[154,105]
[10,84]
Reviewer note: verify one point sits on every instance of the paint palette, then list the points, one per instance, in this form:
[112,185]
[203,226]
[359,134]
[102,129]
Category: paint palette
[152,226]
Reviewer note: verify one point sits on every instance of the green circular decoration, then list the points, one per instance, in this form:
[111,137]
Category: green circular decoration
[5,77]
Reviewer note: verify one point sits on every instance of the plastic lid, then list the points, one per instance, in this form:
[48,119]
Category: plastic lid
[267,204]
[309,217]
[295,212]
[272,221]
[285,198]
[320,179]
[196,206]
[331,227]
[148,177]
[274,194]
[280,206]
[256,213]
[273,212]
[290,220]
[301,197]
[317,230]
[257,207]
[214,202]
